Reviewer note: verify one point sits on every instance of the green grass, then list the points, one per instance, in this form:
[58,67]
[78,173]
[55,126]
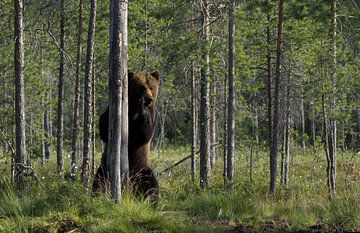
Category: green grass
[53,204]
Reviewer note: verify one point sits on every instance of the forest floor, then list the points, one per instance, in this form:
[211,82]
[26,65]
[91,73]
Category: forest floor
[54,204]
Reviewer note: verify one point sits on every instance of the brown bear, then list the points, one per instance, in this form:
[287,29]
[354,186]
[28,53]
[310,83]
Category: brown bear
[142,96]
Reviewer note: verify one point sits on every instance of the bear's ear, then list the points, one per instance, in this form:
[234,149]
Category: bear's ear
[156,74]
[131,74]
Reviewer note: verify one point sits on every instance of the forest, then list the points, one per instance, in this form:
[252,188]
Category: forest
[180,116]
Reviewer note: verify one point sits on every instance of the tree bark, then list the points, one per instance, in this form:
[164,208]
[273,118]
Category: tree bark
[75,126]
[231,96]
[225,130]
[60,114]
[88,95]
[302,125]
[213,126]
[93,109]
[118,134]
[275,131]
[332,121]
[269,77]
[19,94]
[285,155]
[193,122]
[205,97]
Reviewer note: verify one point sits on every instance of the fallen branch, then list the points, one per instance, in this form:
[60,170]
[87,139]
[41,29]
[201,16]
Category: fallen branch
[176,164]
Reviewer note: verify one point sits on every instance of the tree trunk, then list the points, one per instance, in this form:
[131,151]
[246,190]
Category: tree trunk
[60,114]
[285,154]
[213,127]
[19,94]
[302,125]
[5,116]
[93,109]
[75,126]
[225,130]
[275,131]
[332,120]
[231,96]
[193,122]
[85,171]
[118,134]
[145,55]
[204,97]
[312,124]
[269,77]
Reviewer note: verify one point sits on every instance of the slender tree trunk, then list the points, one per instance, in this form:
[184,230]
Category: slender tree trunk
[312,124]
[231,96]
[332,122]
[60,114]
[326,139]
[302,129]
[286,140]
[269,77]
[205,97]
[93,109]
[5,116]
[118,134]
[75,126]
[213,126]
[193,122]
[19,94]
[275,132]
[88,95]
[145,55]
[225,138]
[47,120]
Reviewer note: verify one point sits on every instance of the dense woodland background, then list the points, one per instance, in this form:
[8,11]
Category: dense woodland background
[297,92]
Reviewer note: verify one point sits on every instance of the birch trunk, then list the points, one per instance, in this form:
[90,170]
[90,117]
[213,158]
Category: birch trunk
[213,126]
[88,95]
[75,126]
[19,95]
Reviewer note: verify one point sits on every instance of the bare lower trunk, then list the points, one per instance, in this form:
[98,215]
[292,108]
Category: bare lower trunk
[205,98]
[93,109]
[193,122]
[225,130]
[326,140]
[231,97]
[118,134]
[275,130]
[332,120]
[285,154]
[75,126]
[60,115]
[85,171]
[213,127]
[19,95]
[302,128]
[269,78]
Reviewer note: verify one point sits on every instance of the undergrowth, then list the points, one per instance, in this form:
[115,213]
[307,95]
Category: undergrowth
[54,204]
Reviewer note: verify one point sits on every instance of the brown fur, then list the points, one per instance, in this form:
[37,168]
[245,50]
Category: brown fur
[143,92]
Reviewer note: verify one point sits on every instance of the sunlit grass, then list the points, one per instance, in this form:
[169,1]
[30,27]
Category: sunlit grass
[54,204]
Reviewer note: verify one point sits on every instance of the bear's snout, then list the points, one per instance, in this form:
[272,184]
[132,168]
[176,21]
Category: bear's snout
[148,100]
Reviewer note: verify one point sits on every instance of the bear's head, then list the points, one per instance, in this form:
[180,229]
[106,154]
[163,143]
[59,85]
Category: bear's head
[143,89]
